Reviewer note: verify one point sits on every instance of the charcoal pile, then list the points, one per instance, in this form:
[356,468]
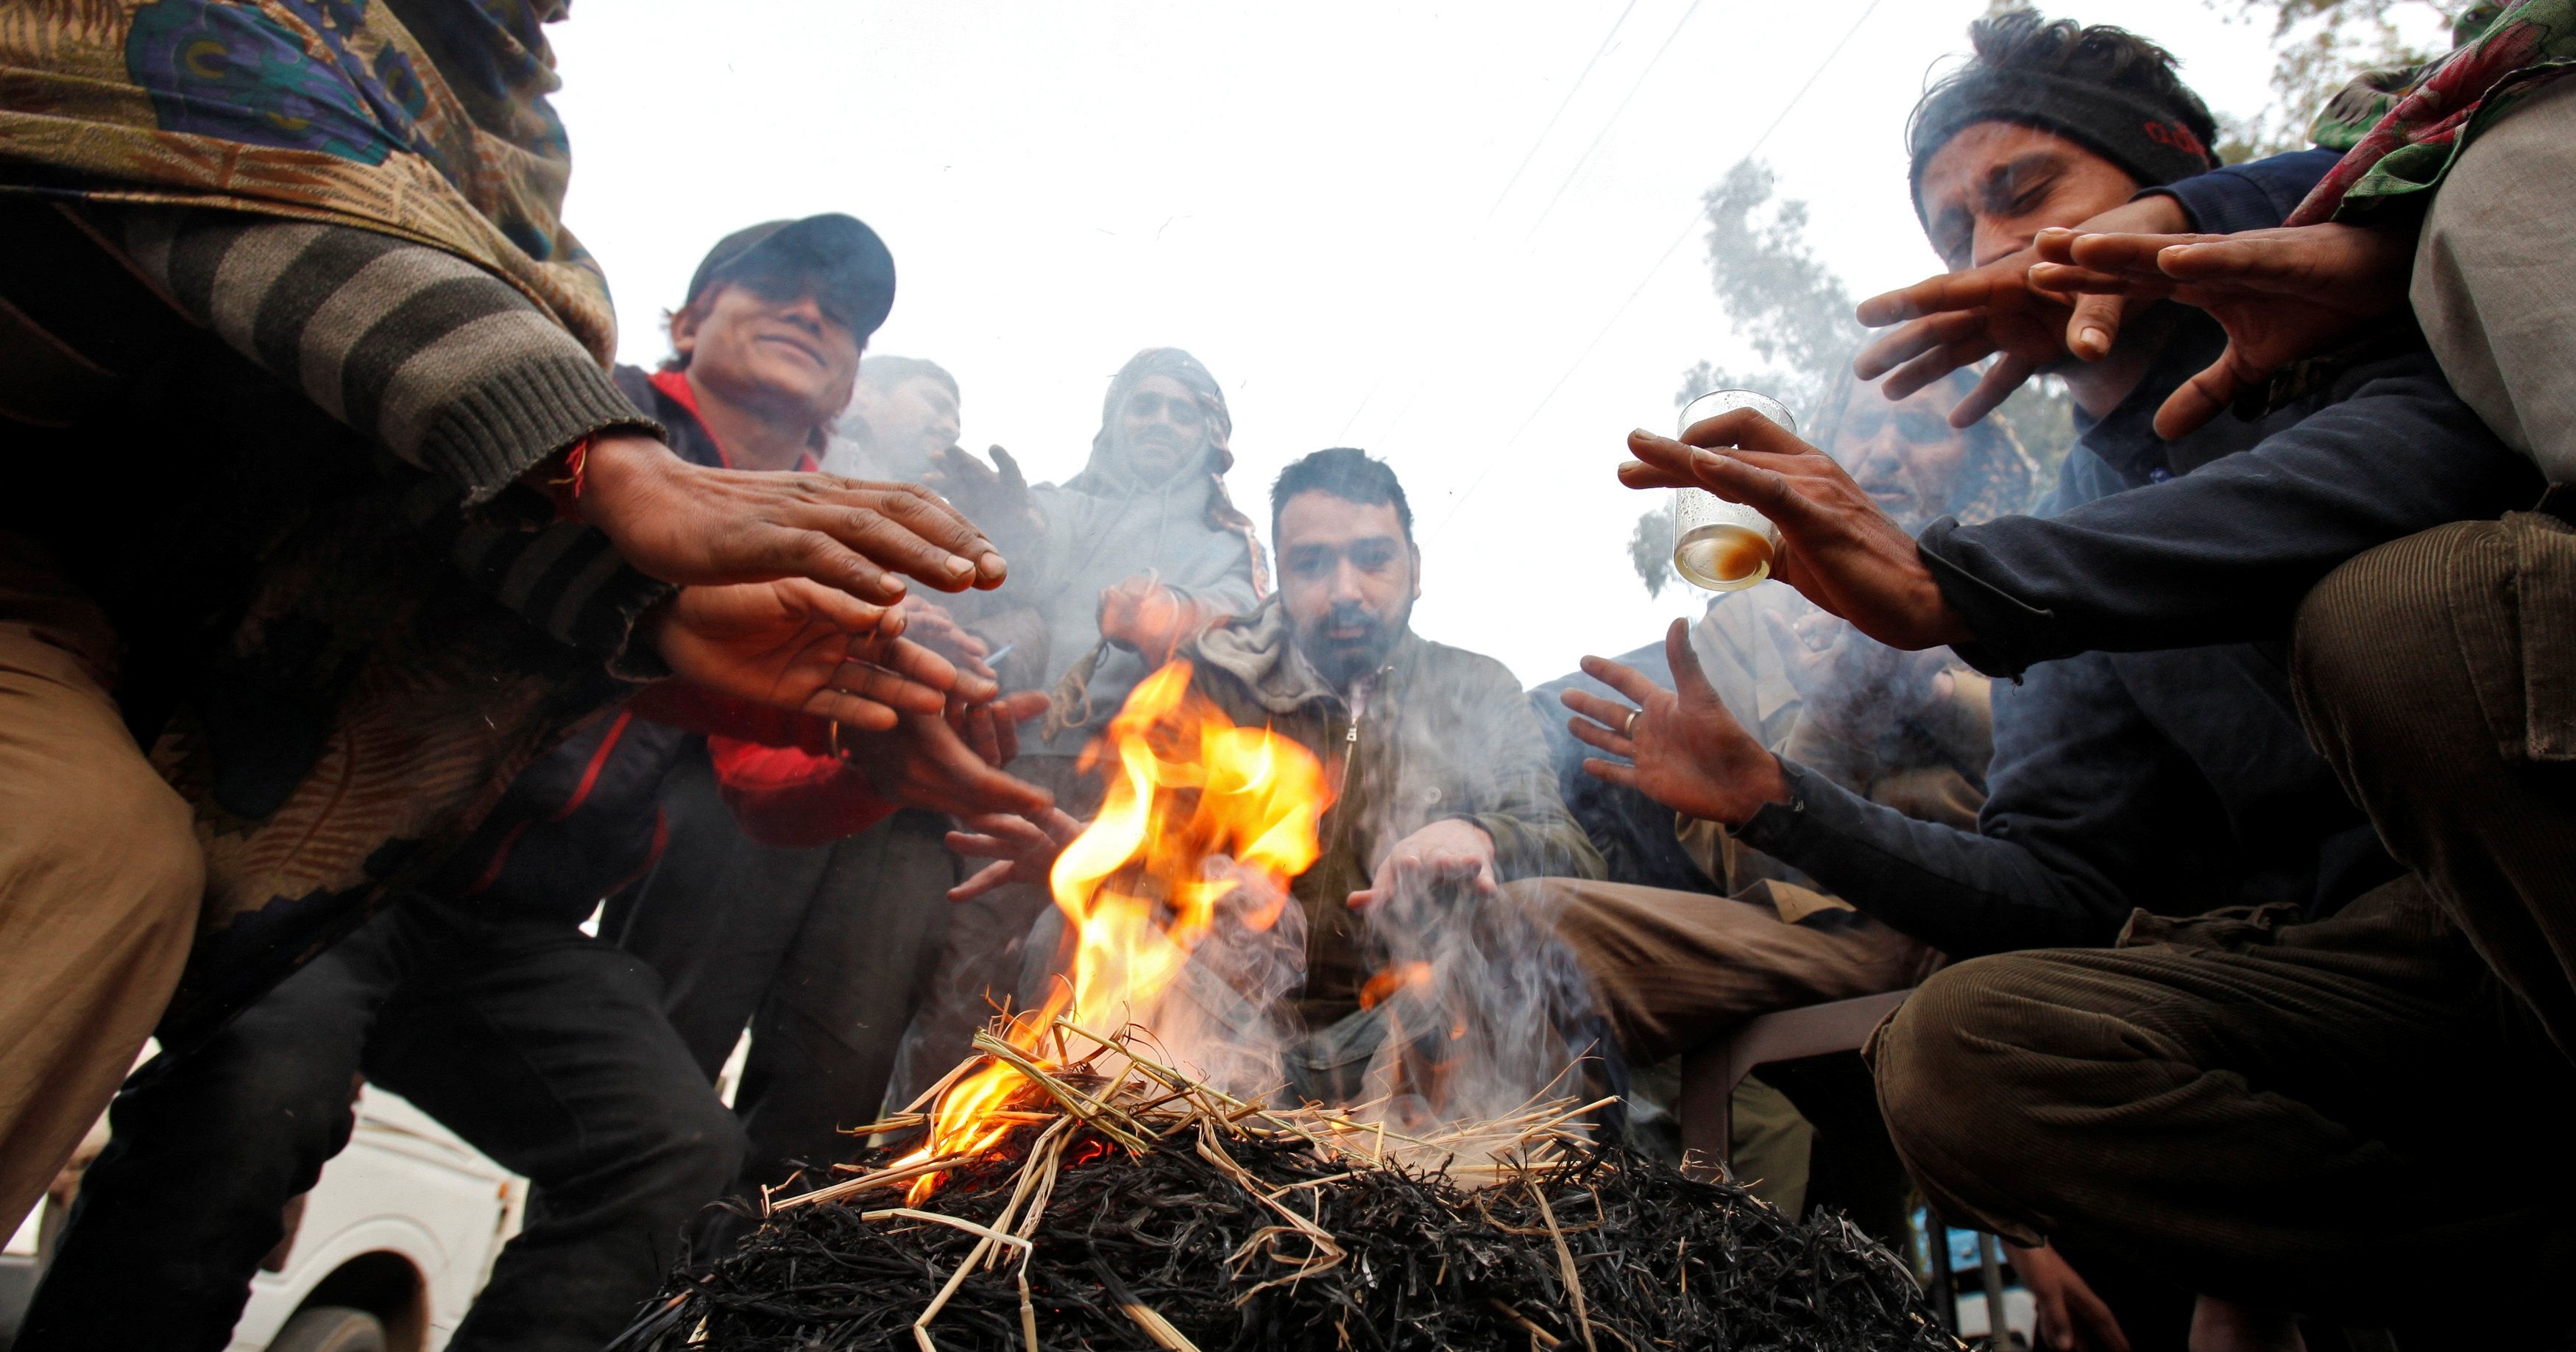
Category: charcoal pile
[1135,1210]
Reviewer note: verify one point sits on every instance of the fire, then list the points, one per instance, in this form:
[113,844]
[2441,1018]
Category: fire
[1389,981]
[1191,790]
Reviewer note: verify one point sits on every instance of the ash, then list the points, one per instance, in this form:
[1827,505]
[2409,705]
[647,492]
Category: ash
[1173,1248]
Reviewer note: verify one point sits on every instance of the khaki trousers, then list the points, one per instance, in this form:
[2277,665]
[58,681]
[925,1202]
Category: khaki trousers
[100,877]
[1675,969]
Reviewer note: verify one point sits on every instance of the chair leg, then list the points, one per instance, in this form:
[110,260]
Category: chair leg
[1990,1267]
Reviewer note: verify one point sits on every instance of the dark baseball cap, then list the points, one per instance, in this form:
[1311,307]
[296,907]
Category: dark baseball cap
[849,268]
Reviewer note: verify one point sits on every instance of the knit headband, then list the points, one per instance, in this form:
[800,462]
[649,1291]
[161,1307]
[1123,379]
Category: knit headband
[2144,137]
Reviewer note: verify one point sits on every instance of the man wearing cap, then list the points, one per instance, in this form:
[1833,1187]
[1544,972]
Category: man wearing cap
[475,995]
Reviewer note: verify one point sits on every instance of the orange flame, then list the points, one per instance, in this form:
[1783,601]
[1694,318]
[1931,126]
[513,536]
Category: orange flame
[1191,788]
[1391,980]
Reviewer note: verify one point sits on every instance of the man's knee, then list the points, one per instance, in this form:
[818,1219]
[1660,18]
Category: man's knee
[1935,1057]
[687,1155]
[2392,635]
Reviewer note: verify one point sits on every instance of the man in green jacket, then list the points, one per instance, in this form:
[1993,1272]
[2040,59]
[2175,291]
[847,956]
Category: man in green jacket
[1440,773]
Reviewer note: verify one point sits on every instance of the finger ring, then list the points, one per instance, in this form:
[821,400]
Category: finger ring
[1629,728]
[835,742]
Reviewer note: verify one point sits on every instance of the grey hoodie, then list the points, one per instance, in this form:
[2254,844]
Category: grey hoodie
[1108,524]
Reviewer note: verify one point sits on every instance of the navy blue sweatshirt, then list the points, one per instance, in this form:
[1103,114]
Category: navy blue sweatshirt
[2174,775]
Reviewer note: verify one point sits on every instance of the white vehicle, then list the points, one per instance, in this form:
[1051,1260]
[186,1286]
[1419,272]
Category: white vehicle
[394,1241]
[389,1251]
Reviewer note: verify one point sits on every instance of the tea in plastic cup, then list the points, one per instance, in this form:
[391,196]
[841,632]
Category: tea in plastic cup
[1720,545]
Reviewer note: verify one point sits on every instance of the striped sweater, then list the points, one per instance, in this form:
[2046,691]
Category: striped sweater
[434,361]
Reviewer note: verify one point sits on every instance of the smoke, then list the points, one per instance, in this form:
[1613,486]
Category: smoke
[1223,1019]
[1483,1009]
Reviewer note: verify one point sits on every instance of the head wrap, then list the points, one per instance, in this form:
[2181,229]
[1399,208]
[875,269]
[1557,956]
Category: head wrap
[2150,139]
[1108,476]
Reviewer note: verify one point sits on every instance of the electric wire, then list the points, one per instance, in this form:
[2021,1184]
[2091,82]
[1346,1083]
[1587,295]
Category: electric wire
[1688,228]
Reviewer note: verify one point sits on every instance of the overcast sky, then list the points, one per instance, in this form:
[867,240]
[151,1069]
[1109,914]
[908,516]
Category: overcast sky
[1371,221]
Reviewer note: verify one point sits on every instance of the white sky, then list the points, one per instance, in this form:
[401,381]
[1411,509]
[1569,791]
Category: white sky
[1312,200]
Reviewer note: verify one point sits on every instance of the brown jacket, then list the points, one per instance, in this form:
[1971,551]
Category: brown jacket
[1441,733]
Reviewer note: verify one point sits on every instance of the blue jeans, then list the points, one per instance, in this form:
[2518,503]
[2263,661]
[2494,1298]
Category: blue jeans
[543,1048]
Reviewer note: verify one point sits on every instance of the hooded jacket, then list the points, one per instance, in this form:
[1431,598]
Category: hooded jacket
[1112,522]
[1438,733]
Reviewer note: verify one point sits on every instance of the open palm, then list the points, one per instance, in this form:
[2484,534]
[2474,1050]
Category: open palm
[1681,748]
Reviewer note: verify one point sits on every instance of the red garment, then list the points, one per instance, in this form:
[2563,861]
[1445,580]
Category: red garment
[774,768]
[791,798]
[675,385]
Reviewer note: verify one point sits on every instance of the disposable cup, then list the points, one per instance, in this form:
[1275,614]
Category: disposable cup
[1719,545]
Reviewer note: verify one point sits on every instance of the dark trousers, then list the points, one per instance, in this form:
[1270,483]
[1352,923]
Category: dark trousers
[2360,1118]
[824,953]
[542,1048]
[2438,676]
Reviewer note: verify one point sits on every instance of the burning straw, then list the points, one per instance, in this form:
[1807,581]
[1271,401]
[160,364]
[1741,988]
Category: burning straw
[1125,1205]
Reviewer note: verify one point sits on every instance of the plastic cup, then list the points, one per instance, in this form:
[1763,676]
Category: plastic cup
[1719,545]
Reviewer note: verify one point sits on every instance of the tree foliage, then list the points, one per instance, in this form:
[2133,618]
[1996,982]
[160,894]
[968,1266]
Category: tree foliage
[1793,310]
[2318,46]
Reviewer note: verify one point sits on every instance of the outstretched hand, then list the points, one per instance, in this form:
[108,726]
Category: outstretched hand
[1025,844]
[948,763]
[995,497]
[2280,294]
[1682,748]
[1452,852]
[696,525]
[797,645]
[1959,318]
[1836,546]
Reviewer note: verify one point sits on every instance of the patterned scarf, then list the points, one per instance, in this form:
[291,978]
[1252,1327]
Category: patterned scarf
[427,122]
[2401,131]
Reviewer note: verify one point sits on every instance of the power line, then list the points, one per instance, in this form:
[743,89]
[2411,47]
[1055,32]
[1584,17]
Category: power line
[1536,144]
[1562,105]
[1598,137]
[1492,461]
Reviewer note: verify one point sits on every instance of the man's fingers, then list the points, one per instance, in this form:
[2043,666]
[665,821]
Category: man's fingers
[1010,469]
[1942,291]
[2262,260]
[868,681]
[1746,428]
[851,711]
[918,663]
[2200,398]
[1639,475]
[1602,737]
[839,609]
[1629,681]
[983,880]
[1936,365]
[775,552]
[1612,772]
[2095,326]
[1923,335]
[1993,388]
[1689,682]
[976,727]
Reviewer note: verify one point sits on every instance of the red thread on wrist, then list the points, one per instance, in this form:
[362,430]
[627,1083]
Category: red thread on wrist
[565,489]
